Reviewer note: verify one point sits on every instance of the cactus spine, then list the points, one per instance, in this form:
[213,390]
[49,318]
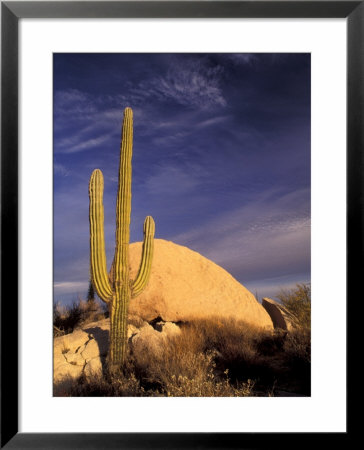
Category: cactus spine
[118,289]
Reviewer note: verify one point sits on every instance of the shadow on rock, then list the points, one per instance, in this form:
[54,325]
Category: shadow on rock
[102,339]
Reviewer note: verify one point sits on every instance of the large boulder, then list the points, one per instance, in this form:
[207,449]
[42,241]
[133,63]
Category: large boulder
[185,285]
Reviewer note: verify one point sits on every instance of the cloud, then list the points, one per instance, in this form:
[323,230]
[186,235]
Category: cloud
[243,58]
[60,169]
[69,287]
[269,235]
[195,83]
[192,85]
[70,103]
[86,145]
[212,122]
[270,287]
[172,179]
[180,131]
[83,121]
[170,139]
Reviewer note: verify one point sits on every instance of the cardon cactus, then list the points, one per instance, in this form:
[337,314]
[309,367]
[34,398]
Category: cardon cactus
[118,289]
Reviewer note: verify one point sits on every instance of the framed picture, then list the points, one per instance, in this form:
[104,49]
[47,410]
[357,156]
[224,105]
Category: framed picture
[247,153]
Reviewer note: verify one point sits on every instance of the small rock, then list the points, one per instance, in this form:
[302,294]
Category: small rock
[171,329]
[280,316]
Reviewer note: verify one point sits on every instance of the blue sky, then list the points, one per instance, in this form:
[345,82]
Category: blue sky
[221,159]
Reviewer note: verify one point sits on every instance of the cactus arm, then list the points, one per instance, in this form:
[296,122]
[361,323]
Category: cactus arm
[97,242]
[142,278]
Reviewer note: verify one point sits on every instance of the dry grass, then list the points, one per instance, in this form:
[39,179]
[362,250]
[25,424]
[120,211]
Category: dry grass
[186,365]
[211,357]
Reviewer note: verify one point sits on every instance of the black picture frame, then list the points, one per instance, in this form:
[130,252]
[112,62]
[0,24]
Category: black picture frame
[11,12]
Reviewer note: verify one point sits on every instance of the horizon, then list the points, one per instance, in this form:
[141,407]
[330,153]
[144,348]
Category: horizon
[221,160]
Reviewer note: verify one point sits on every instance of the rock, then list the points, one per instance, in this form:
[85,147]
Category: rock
[94,366]
[280,316]
[171,329]
[77,352]
[185,285]
[146,344]
[84,351]
[149,341]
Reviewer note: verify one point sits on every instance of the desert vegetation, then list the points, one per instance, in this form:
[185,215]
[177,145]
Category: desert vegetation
[214,357]
[298,302]
[80,312]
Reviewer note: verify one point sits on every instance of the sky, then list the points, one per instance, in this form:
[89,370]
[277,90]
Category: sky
[221,159]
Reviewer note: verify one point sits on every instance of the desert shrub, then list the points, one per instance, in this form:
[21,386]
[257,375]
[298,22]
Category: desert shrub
[202,380]
[92,311]
[90,292]
[123,383]
[298,302]
[192,363]
[193,376]
[114,386]
[68,317]
[249,353]
[58,329]
[225,335]
[297,345]
[234,344]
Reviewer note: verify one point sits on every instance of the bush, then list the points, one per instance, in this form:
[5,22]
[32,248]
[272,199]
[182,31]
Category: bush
[187,363]
[67,318]
[298,302]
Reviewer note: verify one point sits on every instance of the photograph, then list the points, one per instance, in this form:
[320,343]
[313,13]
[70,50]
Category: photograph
[181,225]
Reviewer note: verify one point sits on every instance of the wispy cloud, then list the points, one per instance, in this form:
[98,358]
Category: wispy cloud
[180,130]
[69,287]
[211,122]
[266,235]
[271,287]
[60,169]
[84,121]
[73,103]
[89,120]
[88,144]
[195,83]
[243,58]
[172,179]
[192,85]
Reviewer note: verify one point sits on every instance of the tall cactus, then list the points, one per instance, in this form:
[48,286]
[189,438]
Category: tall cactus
[118,289]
